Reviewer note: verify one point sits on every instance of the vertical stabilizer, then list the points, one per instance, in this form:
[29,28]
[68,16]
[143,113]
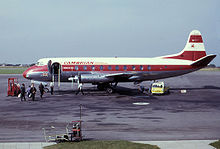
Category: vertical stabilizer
[194,48]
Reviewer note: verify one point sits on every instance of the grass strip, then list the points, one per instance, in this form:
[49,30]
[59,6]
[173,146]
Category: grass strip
[101,145]
[216,144]
[210,69]
[12,70]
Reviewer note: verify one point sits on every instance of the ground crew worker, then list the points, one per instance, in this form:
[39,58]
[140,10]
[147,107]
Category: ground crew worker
[17,89]
[41,89]
[51,88]
[33,91]
[79,89]
[23,92]
[141,88]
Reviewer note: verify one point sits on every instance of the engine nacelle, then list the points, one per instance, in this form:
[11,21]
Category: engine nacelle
[94,78]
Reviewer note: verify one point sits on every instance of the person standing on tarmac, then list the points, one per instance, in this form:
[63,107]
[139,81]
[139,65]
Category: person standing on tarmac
[41,89]
[29,91]
[51,87]
[79,89]
[23,92]
[33,91]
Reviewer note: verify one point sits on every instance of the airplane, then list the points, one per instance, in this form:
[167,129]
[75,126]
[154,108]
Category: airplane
[107,72]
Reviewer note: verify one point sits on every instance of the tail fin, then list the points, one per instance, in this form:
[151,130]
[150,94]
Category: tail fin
[194,48]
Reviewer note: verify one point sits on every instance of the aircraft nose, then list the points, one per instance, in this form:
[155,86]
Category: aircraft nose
[25,73]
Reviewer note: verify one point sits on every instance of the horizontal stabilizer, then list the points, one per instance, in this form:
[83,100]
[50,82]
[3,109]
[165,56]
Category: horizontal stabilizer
[204,61]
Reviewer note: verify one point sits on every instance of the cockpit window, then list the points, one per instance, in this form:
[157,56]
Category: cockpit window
[40,63]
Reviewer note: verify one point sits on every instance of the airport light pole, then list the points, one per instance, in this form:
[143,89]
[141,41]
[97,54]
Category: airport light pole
[80,106]
[80,121]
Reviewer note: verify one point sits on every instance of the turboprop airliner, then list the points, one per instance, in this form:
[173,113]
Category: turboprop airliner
[106,72]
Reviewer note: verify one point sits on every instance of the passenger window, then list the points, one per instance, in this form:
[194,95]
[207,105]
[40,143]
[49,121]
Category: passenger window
[141,67]
[133,67]
[76,68]
[93,67]
[117,67]
[165,67]
[109,67]
[149,67]
[85,67]
[101,67]
[125,67]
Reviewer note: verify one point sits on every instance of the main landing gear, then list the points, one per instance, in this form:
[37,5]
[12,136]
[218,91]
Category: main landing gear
[108,87]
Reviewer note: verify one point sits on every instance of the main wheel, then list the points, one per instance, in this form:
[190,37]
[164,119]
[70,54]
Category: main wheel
[109,90]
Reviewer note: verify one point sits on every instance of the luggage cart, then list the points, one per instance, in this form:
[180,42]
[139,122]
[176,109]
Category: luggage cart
[76,133]
[73,133]
[51,136]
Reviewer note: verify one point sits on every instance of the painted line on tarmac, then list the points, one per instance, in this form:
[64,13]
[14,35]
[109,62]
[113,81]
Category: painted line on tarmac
[58,95]
[141,103]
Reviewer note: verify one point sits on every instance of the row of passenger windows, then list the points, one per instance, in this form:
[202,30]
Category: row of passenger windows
[101,67]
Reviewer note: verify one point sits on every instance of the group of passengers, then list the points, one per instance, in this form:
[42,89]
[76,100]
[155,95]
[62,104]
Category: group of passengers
[31,91]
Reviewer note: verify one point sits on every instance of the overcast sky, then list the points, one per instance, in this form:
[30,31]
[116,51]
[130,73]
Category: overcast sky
[33,29]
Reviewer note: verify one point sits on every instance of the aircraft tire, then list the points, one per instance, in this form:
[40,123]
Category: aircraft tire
[109,90]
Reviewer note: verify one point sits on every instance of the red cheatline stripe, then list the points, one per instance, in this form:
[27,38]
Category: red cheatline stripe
[196,39]
[39,68]
[189,55]
[129,68]
[116,68]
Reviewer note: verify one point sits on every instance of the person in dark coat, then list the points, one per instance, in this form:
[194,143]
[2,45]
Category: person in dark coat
[41,89]
[33,92]
[23,92]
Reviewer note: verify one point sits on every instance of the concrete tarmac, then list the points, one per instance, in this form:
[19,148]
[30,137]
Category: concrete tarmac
[194,115]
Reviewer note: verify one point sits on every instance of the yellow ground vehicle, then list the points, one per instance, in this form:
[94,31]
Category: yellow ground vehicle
[159,88]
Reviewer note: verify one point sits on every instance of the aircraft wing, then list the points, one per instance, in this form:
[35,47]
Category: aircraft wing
[121,76]
[116,74]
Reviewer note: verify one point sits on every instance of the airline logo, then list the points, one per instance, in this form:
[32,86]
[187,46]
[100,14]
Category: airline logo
[195,39]
[79,63]
[45,74]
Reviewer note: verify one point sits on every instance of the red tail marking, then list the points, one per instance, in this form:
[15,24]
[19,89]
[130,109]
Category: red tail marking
[196,39]
[189,55]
